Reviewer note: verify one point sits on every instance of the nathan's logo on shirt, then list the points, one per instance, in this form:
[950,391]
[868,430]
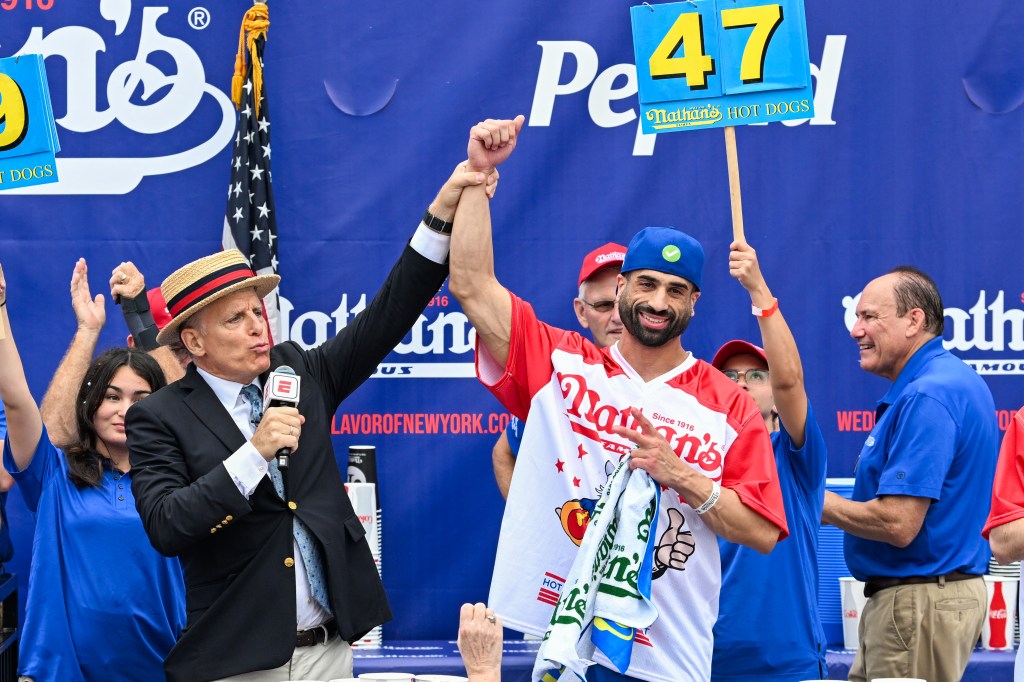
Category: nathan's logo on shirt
[592,417]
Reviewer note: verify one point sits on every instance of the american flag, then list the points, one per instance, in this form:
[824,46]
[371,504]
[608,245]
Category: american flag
[249,222]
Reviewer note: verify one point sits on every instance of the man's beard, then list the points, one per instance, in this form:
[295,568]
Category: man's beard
[653,338]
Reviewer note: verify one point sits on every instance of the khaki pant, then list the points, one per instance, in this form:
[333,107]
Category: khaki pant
[318,662]
[926,631]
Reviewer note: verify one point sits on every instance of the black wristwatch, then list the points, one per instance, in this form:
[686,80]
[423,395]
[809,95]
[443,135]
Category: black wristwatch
[436,224]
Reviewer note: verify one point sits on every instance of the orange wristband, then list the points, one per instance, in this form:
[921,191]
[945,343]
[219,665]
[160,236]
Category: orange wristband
[765,312]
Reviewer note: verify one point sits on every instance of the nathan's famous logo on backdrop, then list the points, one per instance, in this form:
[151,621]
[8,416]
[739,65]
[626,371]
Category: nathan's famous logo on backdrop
[440,344]
[618,82]
[990,325]
[152,92]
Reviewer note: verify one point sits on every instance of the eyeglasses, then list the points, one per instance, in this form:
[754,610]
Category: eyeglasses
[753,377]
[600,306]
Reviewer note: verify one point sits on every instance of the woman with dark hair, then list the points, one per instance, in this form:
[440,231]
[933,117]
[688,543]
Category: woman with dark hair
[102,603]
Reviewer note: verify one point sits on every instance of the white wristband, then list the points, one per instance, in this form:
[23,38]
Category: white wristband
[716,492]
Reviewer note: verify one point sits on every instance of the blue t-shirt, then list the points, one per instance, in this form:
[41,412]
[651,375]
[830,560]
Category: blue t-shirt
[3,423]
[102,604]
[768,625]
[514,433]
[936,436]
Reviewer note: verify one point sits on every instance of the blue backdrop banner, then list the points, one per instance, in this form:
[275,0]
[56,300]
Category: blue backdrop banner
[912,155]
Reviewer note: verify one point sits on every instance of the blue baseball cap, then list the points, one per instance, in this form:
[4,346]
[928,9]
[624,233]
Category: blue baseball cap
[665,249]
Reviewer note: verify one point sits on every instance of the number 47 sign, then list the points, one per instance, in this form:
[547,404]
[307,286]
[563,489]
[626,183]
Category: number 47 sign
[713,63]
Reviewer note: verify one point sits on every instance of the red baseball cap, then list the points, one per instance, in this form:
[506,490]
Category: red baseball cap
[737,347]
[610,255]
[158,306]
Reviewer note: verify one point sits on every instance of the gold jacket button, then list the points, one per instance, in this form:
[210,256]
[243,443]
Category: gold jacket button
[292,505]
[229,518]
[289,562]
[213,530]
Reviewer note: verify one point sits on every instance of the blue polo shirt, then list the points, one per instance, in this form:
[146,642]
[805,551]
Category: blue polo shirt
[768,628]
[935,436]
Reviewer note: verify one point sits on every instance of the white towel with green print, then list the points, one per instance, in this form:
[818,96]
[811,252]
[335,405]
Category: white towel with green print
[609,585]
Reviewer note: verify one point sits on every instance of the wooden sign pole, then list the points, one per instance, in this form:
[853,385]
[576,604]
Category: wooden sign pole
[734,184]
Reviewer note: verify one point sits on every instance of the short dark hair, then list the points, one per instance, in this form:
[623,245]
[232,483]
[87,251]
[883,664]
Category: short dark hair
[915,289]
[85,464]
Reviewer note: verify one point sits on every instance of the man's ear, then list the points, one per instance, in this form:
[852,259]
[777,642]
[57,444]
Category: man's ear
[193,342]
[916,317]
[577,305]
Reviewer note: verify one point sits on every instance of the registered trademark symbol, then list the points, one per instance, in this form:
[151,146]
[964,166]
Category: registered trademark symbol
[199,18]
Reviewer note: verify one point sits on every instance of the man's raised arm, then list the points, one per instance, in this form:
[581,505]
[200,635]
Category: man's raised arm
[472,281]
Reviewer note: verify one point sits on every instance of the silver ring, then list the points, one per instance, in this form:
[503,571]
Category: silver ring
[492,619]
[291,430]
[124,278]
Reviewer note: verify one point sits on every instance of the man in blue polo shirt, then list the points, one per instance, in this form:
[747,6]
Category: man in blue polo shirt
[922,491]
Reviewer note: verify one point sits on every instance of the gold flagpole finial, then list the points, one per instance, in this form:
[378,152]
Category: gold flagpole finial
[254,25]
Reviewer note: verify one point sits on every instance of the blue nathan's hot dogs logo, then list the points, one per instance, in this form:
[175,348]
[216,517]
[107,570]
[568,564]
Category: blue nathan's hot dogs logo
[123,73]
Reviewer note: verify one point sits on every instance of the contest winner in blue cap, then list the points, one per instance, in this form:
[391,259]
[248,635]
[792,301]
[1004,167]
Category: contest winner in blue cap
[658,287]
[677,418]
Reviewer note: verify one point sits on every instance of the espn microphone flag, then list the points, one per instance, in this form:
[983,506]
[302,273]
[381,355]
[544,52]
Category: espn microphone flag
[249,222]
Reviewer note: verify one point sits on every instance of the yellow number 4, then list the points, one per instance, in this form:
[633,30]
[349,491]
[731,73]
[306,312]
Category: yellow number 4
[687,32]
[13,113]
[765,19]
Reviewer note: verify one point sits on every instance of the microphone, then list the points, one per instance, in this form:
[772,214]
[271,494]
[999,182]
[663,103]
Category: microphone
[282,390]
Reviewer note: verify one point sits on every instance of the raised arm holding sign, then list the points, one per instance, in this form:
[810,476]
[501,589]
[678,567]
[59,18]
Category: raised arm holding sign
[710,64]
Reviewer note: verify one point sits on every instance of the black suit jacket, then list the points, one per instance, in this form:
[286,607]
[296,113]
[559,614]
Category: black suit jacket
[240,590]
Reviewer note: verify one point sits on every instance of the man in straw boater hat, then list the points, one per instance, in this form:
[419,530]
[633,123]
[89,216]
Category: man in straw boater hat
[279,577]
[690,428]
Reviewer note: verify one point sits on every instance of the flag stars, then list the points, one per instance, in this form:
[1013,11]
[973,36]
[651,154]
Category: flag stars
[582,452]
[245,112]
[256,232]
[559,464]
[238,162]
[249,135]
[264,124]
[248,87]
[257,173]
[266,151]
[238,214]
[576,481]
[273,262]
[251,195]
[264,210]
[238,188]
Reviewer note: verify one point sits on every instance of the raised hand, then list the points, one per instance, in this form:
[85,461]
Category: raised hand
[479,642]
[744,267]
[492,141]
[90,312]
[447,199]
[126,281]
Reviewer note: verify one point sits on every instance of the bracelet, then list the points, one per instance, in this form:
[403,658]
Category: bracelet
[716,492]
[4,303]
[436,224]
[765,312]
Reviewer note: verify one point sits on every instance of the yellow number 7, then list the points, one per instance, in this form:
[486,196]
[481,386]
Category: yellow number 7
[765,19]
[13,113]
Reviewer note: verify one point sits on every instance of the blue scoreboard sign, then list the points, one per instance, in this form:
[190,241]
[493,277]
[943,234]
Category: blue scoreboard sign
[28,136]
[711,63]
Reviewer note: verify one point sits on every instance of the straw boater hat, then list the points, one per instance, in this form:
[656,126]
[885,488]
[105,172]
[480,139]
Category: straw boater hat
[191,288]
